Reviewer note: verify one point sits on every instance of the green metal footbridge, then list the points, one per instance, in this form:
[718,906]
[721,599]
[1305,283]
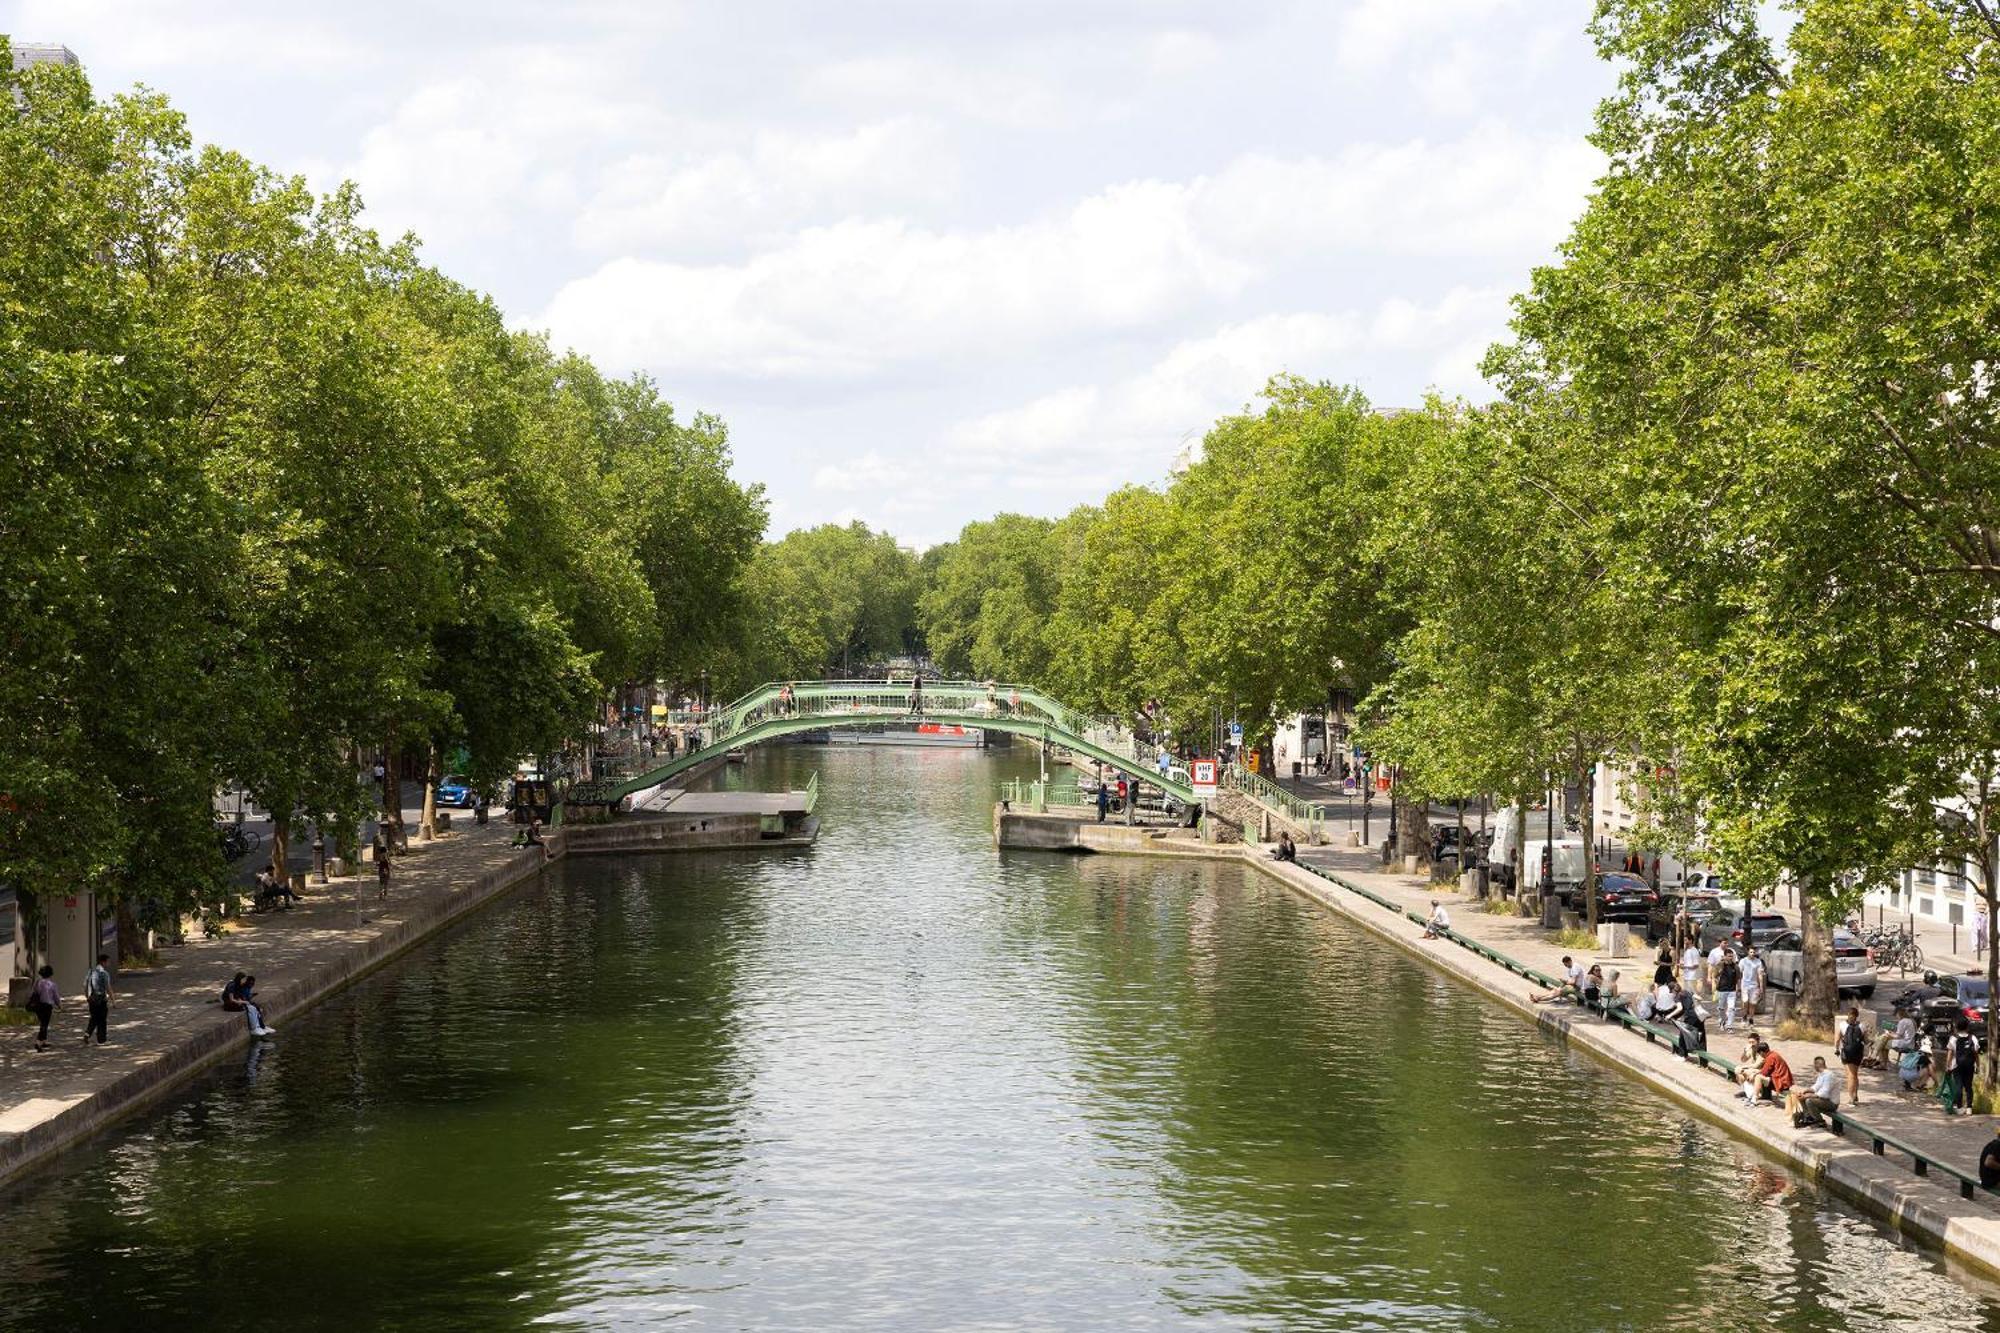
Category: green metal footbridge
[785,708]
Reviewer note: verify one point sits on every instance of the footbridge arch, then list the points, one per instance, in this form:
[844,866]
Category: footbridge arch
[785,708]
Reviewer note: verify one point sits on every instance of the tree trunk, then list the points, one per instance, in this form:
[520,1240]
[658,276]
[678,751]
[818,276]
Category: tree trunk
[1461,840]
[131,939]
[1413,834]
[1520,870]
[428,830]
[281,846]
[1589,830]
[1819,990]
[392,795]
[1989,869]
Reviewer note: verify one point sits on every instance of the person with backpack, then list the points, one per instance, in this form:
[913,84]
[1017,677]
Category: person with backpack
[1728,980]
[1852,1045]
[97,994]
[1963,1053]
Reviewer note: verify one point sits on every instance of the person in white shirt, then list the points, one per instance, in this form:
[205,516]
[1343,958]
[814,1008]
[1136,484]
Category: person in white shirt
[1440,922]
[1691,968]
[1571,984]
[1750,984]
[1822,1098]
[1714,962]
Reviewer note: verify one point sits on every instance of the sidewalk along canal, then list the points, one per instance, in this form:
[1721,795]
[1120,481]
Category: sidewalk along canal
[167,1023]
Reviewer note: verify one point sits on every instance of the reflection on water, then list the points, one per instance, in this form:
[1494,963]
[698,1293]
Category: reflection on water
[900,1080]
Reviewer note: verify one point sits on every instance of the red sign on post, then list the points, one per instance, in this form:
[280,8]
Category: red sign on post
[1202,771]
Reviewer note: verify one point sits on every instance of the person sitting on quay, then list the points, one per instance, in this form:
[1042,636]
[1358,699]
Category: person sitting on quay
[1811,1105]
[1569,987]
[1989,1160]
[1439,923]
[1286,850]
[253,1012]
[1773,1077]
[232,994]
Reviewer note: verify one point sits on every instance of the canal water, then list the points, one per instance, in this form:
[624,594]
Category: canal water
[903,1081]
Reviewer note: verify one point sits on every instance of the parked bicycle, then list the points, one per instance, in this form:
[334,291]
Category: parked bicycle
[1895,946]
[236,841]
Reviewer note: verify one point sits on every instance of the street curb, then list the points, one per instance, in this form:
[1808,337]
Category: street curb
[178,1064]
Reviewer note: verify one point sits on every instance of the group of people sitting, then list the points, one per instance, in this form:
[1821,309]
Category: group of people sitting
[240,996]
[1587,986]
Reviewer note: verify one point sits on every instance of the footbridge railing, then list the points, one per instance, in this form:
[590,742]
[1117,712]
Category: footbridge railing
[789,707]
[1309,816]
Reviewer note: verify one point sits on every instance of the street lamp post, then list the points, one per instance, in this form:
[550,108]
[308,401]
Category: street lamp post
[319,855]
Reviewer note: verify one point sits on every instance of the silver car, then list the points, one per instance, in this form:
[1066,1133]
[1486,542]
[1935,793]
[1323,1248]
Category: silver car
[1853,965]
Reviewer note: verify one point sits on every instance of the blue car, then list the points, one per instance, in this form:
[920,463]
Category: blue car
[455,790]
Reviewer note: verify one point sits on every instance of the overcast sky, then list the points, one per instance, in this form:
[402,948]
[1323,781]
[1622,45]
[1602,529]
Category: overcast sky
[935,260]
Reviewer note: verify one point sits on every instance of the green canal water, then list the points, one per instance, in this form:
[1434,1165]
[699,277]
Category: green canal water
[903,1081]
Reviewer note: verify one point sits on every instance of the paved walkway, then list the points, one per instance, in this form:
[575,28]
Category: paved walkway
[162,1014]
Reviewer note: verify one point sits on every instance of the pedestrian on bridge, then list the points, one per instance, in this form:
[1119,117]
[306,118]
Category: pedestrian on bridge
[917,693]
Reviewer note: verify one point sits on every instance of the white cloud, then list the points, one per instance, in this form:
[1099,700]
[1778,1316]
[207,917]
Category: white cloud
[978,90]
[858,297]
[862,298]
[1142,419]
[868,471]
[1374,32]
[775,182]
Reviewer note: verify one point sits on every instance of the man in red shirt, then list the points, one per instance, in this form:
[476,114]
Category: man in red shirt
[1773,1079]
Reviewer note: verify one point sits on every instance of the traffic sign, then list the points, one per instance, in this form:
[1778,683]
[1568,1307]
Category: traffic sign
[1236,732]
[1203,773]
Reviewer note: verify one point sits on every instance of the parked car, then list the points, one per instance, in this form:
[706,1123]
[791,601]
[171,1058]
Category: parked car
[1726,927]
[1853,965]
[1624,897]
[453,789]
[1968,991]
[1702,881]
[1700,906]
[1444,843]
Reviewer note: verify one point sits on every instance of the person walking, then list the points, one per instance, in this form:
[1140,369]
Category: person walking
[1750,982]
[917,693]
[97,994]
[1711,966]
[1728,983]
[382,867]
[1980,925]
[43,1001]
[1852,1045]
[1103,799]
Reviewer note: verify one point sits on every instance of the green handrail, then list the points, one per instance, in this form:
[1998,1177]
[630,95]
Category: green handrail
[765,713]
[812,791]
[1308,815]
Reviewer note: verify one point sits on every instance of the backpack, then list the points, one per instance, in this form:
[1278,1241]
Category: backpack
[1852,1044]
[1964,1050]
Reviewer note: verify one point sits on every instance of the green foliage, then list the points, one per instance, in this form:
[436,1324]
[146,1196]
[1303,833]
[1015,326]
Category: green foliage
[823,600]
[275,490]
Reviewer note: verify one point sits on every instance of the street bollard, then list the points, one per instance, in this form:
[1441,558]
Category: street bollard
[319,857]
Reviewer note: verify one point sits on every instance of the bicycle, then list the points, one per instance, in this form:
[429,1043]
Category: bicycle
[237,841]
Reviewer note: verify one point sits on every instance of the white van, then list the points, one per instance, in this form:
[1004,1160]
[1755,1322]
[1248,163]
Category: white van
[1500,854]
[1569,863]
